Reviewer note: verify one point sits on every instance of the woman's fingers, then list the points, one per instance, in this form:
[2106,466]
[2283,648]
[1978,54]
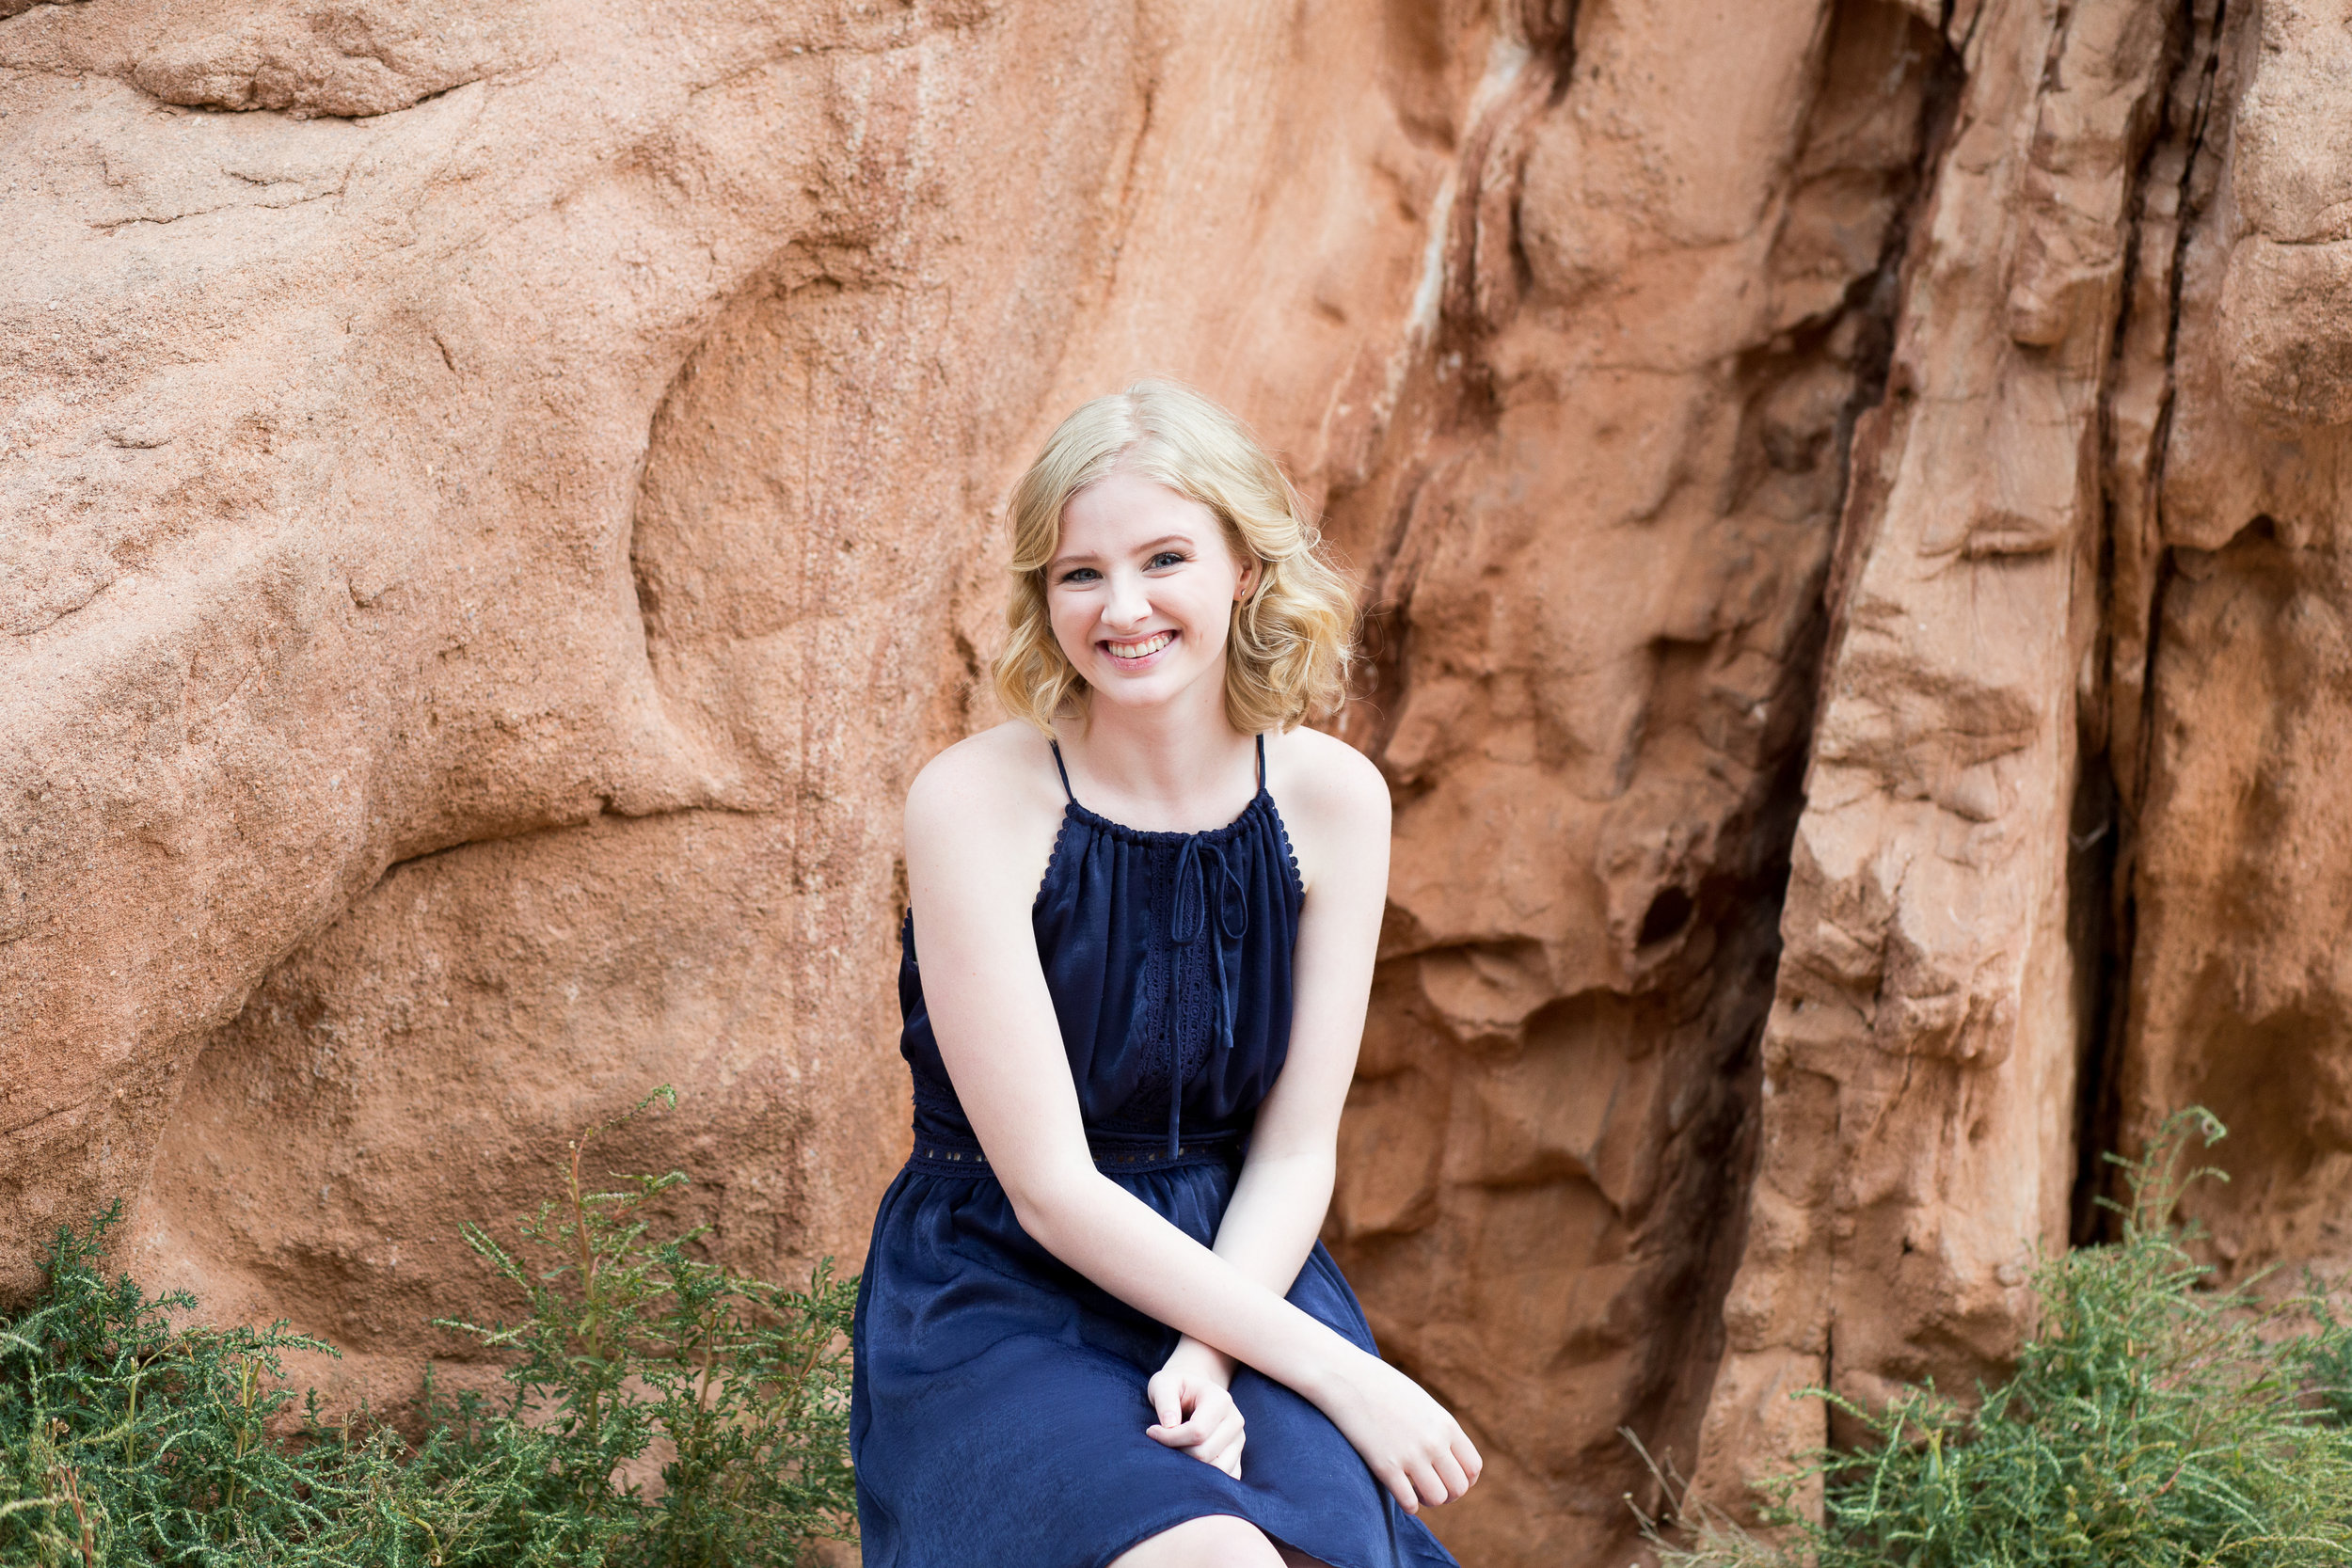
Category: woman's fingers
[1167,1394]
[1181,1435]
[1222,1447]
[1432,1480]
[1222,1431]
[1204,1420]
[1415,1449]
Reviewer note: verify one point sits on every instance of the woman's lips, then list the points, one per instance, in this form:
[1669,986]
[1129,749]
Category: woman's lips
[1138,652]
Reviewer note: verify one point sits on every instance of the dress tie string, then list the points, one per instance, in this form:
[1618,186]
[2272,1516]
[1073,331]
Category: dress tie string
[1187,921]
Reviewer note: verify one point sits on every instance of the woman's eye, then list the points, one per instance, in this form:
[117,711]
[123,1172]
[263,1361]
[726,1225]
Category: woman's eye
[1167,558]
[1080,574]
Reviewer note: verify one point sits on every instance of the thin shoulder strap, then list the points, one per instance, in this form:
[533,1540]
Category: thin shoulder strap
[1262,760]
[1063,771]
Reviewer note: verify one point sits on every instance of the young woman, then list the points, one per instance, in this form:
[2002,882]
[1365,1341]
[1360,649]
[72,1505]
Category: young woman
[1096,1327]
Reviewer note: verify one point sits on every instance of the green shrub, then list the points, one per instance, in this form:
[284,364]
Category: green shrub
[125,1440]
[2152,1421]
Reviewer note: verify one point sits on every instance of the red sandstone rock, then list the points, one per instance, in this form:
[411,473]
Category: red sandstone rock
[1604,516]
[2238,889]
[495,501]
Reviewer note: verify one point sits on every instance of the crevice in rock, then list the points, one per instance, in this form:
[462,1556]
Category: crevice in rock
[2098,924]
[1696,865]
[606,812]
[1876,303]
[1870,313]
[110,226]
[2112,786]
[293,109]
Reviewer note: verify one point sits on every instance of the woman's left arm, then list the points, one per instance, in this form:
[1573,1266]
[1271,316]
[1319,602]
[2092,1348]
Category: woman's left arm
[1339,824]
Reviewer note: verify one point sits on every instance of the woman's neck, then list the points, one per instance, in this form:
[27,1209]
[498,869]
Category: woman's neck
[1181,763]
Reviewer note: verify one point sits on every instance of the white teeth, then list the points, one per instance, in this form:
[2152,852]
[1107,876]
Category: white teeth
[1144,649]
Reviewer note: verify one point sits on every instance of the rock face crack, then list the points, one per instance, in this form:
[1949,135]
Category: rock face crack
[109,226]
[1639,745]
[2230,599]
[1935,955]
[2135,568]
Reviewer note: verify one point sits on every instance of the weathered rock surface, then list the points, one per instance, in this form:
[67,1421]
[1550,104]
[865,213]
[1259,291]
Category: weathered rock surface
[1918,1063]
[495,501]
[2238,887]
[1603,515]
[481,574]
[342,455]
[2066,863]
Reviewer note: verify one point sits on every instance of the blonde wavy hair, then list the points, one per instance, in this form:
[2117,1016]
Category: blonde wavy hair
[1289,643]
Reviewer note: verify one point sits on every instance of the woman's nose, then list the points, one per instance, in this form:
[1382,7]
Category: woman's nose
[1128,604]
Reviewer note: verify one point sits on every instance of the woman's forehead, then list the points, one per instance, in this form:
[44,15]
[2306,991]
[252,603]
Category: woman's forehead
[1122,511]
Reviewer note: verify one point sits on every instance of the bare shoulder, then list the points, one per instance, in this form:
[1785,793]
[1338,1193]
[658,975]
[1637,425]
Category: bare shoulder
[1333,801]
[1326,777]
[1001,779]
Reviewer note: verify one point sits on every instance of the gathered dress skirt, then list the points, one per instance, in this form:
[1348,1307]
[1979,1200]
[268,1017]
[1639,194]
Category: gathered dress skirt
[1012,1390]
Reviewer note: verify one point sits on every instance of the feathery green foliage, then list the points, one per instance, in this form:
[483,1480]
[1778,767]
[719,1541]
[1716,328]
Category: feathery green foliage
[125,1440]
[2152,1421]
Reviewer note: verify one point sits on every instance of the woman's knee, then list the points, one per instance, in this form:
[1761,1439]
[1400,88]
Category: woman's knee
[1217,1540]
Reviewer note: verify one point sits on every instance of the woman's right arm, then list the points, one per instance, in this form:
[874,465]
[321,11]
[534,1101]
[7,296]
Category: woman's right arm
[997,1032]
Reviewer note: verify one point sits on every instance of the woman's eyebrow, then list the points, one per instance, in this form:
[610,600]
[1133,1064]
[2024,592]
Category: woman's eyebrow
[1075,557]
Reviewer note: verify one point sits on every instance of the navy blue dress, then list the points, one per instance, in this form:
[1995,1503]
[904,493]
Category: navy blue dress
[998,1404]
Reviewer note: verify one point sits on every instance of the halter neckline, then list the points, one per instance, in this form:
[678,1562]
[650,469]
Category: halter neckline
[1160,835]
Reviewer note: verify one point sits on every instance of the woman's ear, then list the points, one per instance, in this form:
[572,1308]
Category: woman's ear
[1248,579]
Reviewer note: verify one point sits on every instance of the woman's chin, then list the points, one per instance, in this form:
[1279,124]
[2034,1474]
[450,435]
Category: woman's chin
[1140,688]
[1132,691]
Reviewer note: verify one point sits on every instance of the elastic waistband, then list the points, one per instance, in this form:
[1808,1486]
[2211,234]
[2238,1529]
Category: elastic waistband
[954,1157]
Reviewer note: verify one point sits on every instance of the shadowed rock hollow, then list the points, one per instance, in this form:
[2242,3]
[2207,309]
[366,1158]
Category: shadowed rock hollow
[497,500]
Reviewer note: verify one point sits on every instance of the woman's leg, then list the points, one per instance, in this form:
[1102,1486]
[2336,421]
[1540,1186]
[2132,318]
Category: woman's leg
[1218,1541]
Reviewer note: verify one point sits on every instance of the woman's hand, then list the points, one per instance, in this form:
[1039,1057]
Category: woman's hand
[1415,1448]
[1190,1394]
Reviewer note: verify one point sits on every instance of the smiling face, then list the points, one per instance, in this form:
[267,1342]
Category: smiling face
[1141,590]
